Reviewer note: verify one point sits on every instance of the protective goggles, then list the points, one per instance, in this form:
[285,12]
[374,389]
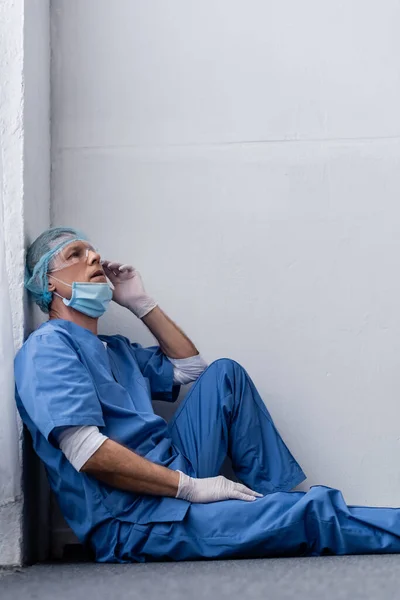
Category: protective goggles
[71,254]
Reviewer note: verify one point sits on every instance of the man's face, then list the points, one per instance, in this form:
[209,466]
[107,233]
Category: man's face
[78,261]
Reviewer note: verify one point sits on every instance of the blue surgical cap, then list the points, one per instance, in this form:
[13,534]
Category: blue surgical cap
[38,261]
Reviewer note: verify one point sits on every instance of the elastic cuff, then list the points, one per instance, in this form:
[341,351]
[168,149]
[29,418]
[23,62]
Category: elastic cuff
[142,308]
[184,483]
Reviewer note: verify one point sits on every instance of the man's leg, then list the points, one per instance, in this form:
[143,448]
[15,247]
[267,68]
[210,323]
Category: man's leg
[281,524]
[223,414]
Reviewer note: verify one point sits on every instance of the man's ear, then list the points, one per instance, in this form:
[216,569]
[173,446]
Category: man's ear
[51,287]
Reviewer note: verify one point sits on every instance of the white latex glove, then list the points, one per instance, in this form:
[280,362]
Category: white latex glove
[213,489]
[128,288]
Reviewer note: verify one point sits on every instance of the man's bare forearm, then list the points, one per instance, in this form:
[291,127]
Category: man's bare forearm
[173,342]
[121,468]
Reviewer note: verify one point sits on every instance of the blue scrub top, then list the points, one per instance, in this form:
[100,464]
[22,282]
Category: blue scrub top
[66,377]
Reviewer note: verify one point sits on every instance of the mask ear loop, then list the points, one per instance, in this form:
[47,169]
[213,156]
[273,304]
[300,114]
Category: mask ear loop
[59,280]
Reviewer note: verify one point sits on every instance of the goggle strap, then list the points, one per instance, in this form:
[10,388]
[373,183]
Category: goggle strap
[59,280]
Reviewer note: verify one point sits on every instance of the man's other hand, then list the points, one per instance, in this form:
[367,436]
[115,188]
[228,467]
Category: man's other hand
[213,489]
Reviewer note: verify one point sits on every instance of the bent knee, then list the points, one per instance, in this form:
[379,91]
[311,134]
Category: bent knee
[226,365]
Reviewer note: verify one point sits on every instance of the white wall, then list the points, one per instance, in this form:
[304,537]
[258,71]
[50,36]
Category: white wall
[25,197]
[245,156]
[11,145]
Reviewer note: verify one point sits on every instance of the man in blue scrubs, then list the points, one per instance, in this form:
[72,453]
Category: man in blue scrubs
[135,488]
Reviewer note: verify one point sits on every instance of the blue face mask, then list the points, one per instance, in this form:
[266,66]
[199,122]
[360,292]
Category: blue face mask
[91,299]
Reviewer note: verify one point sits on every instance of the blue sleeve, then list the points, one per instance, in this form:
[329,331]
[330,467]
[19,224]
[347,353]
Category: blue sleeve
[158,370]
[53,385]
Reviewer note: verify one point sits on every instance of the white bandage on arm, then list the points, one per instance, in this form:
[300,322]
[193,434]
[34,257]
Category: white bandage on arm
[188,369]
[80,443]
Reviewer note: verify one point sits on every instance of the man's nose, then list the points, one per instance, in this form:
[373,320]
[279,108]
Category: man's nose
[93,257]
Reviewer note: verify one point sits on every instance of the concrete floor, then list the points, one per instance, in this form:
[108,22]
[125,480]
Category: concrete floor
[336,578]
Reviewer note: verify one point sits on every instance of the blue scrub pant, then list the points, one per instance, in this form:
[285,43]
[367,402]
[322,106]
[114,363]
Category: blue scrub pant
[224,415]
